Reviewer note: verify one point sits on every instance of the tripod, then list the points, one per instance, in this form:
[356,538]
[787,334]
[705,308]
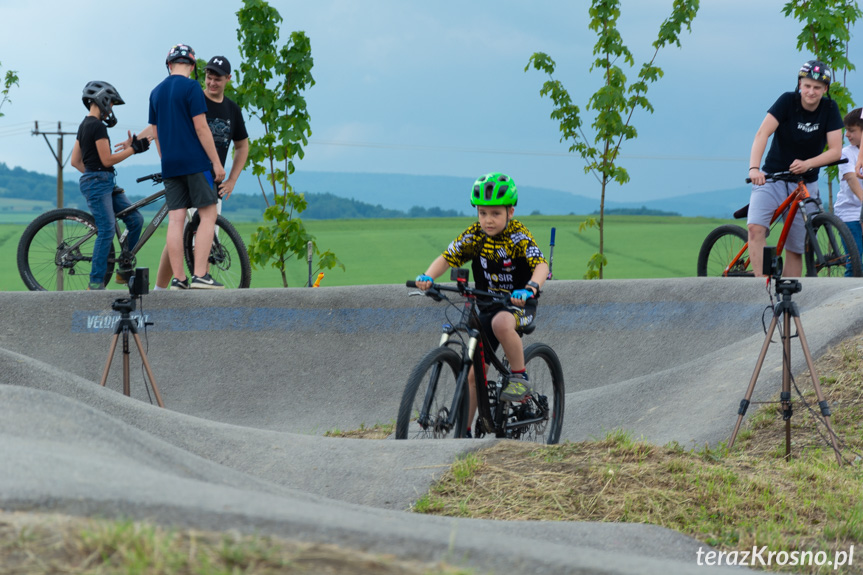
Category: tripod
[126,326]
[787,309]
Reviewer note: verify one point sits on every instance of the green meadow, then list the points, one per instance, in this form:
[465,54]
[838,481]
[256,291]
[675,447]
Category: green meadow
[390,251]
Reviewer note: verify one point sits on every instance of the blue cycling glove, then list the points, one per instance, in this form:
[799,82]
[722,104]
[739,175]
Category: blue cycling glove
[522,294]
[424,278]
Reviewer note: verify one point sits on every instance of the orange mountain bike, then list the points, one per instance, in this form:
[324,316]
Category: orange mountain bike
[830,247]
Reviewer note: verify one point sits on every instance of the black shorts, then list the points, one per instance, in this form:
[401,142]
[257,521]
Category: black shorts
[523,318]
[190,191]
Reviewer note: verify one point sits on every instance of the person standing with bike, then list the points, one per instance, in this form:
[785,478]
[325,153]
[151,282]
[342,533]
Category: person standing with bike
[190,164]
[227,125]
[91,155]
[849,200]
[504,258]
[802,123]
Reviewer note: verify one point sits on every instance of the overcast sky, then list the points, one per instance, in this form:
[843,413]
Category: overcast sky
[432,88]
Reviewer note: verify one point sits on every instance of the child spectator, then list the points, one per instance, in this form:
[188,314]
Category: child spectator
[91,155]
[850,198]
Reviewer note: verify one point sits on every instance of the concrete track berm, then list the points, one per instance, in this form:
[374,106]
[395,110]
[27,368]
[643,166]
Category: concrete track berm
[252,379]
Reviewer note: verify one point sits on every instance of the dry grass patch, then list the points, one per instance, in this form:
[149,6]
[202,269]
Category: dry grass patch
[35,544]
[376,431]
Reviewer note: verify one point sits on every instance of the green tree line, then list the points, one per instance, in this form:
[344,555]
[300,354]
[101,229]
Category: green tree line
[18,183]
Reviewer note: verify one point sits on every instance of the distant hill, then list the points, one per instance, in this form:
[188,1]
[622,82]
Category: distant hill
[404,191]
[376,195]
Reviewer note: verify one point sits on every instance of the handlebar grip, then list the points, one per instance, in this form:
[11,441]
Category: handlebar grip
[411,283]
[748,180]
[552,235]
[157,175]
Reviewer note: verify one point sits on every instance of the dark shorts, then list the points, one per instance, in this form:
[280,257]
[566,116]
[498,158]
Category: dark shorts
[190,191]
[523,318]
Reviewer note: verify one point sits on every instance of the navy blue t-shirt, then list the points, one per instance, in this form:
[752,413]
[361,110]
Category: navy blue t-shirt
[801,134]
[173,104]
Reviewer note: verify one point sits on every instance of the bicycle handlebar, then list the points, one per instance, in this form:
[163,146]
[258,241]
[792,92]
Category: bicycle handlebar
[791,177]
[463,289]
[157,178]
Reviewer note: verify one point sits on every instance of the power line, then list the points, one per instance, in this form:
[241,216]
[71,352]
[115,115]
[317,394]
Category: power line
[378,145]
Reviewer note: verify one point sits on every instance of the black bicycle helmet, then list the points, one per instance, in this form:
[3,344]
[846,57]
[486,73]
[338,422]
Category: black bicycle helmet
[105,96]
[817,70]
[181,53]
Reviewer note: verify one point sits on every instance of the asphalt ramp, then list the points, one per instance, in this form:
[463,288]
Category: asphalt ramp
[252,379]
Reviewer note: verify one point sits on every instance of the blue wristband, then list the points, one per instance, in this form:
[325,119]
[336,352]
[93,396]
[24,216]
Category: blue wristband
[522,294]
[424,278]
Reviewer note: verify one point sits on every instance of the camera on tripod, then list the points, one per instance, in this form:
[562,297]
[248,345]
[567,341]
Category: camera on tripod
[772,263]
[139,284]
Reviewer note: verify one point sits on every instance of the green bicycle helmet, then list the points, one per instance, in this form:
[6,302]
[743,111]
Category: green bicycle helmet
[494,189]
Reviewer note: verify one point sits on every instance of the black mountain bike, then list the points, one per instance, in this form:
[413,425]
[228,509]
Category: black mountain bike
[434,404]
[56,250]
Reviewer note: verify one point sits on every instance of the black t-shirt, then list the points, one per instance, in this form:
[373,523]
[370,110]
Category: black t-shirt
[90,131]
[801,134]
[227,125]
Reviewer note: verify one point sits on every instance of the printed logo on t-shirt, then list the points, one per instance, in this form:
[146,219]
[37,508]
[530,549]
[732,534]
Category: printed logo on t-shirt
[221,130]
[808,127]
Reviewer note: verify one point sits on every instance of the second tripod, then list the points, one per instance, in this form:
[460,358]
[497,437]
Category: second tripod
[127,326]
[788,310]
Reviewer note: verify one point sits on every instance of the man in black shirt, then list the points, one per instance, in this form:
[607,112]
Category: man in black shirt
[801,123]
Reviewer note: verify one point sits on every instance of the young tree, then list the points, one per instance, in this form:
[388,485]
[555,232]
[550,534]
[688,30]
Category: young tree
[826,34]
[9,80]
[270,83]
[614,103]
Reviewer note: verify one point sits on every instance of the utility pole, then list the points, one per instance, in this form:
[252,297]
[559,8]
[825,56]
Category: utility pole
[58,155]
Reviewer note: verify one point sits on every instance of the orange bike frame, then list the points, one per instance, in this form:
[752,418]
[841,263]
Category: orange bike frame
[792,203]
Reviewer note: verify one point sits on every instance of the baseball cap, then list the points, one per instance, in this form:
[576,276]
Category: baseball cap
[219,65]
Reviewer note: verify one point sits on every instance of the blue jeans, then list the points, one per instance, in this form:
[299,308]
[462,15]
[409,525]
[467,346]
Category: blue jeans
[97,188]
[857,232]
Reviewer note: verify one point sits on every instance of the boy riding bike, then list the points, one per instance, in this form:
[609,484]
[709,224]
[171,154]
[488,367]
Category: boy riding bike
[504,258]
[801,123]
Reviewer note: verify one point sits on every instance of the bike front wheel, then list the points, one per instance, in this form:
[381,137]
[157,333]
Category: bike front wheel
[720,247]
[228,261]
[540,417]
[429,407]
[55,252]
[835,254]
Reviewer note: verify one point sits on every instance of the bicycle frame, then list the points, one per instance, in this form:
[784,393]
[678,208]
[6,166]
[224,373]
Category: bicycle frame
[146,234]
[794,203]
[473,354]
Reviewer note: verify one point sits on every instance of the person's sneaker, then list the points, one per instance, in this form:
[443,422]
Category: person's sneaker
[123,276]
[517,389]
[180,284]
[96,286]
[204,282]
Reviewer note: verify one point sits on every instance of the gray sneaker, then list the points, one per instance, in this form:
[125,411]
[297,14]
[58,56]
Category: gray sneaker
[517,389]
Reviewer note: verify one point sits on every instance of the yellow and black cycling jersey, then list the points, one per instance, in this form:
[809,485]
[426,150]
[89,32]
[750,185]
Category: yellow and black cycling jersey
[504,262]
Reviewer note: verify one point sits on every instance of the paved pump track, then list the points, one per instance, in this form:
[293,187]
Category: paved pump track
[252,379]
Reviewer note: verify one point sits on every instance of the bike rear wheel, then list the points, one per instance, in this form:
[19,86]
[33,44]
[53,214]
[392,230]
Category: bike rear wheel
[424,412]
[228,260]
[840,257]
[55,252]
[719,248]
[545,406]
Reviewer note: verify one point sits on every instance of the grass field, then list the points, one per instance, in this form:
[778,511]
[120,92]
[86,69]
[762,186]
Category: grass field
[394,250]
